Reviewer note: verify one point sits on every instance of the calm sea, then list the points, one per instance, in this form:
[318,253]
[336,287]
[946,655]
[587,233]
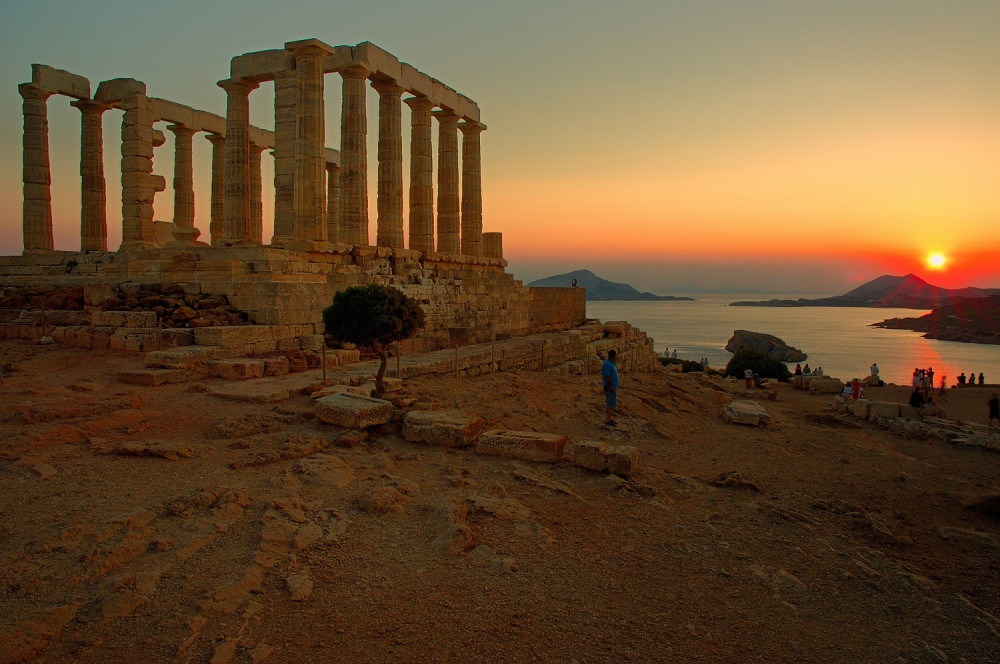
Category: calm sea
[837,339]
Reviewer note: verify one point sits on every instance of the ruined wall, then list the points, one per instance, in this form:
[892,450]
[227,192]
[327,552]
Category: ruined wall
[287,290]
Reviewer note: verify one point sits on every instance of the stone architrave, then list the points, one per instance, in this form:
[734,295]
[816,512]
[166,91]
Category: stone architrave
[472,189]
[390,165]
[218,204]
[184,231]
[286,97]
[421,175]
[448,212]
[236,228]
[333,202]
[139,185]
[256,187]
[93,188]
[310,133]
[354,158]
[37,177]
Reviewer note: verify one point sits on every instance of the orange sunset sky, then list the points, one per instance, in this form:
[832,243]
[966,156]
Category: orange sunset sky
[777,146]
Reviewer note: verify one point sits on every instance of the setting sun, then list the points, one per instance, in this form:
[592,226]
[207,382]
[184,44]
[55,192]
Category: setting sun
[936,261]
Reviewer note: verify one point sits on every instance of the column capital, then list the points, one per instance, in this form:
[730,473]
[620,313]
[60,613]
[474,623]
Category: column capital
[182,130]
[235,86]
[388,87]
[215,139]
[259,149]
[354,72]
[32,91]
[446,115]
[471,127]
[331,167]
[90,105]
[419,103]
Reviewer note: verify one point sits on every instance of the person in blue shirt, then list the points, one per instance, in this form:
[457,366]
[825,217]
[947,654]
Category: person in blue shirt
[609,378]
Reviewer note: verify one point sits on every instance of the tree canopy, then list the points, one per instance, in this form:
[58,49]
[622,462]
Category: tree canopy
[374,317]
[760,363]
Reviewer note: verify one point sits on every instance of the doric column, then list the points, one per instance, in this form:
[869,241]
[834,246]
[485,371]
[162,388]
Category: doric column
[256,205]
[217,215]
[493,245]
[184,231]
[390,165]
[472,189]
[139,185]
[236,228]
[333,202]
[447,239]
[354,159]
[286,96]
[310,134]
[93,189]
[37,178]
[421,175]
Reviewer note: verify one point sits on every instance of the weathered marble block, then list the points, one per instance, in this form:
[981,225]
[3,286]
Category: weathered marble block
[883,409]
[745,412]
[448,428]
[237,369]
[590,454]
[623,460]
[527,445]
[353,411]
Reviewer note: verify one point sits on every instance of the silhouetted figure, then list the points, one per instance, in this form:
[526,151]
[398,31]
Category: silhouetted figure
[574,284]
[961,379]
[798,369]
[981,382]
[916,398]
[994,404]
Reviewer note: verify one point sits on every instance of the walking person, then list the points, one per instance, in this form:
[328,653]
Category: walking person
[609,379]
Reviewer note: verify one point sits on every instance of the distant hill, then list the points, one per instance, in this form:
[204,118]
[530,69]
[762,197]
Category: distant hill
[599,289]
[887,291]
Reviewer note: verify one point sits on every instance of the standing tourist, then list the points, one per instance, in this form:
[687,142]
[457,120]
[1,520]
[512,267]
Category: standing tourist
[994,404]
[748,377]
[609,378]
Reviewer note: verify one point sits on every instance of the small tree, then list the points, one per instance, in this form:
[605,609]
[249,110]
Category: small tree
[760,363]
[373,317]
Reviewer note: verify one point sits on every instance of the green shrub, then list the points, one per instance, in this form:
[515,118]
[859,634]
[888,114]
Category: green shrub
[687,366]
[760,363]
[374,317]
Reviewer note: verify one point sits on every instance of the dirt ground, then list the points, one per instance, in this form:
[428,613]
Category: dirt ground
[165,524]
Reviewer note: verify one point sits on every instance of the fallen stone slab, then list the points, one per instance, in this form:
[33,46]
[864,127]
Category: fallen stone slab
[590,454]
[448,428]
[353,411]
[527,445]
[882,409]
[181,357]
[745,412]
[264,390]
[623,460]
[237,369]
[825,385]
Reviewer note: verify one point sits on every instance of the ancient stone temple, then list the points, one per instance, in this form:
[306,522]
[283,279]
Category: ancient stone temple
[274,289]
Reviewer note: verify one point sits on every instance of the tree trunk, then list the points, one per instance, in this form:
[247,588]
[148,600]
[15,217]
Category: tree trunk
[380,376]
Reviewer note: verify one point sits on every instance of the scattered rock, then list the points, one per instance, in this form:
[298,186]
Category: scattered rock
[353,411]
[746,412]
[734,480]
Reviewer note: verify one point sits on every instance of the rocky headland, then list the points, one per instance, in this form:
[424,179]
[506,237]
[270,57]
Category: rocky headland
[974,320]
[600,289]
[764,343]
[229,521]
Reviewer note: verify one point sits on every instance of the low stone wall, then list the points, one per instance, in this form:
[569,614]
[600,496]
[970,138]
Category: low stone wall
[289,289]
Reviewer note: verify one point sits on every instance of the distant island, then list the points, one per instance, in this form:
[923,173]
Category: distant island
[887,292]
[972,320]
[599,289]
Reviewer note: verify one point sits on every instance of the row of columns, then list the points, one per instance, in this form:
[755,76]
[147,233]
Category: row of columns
[311,214]
[315,202]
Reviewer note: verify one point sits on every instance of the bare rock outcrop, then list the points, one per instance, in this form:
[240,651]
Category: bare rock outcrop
[764,343]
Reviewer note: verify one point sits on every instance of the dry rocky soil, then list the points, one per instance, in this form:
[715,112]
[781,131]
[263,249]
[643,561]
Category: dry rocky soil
[143,524]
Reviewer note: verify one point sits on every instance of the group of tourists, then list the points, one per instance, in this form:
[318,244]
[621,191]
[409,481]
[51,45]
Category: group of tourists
[923,381]
[971,380]
[806,371]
